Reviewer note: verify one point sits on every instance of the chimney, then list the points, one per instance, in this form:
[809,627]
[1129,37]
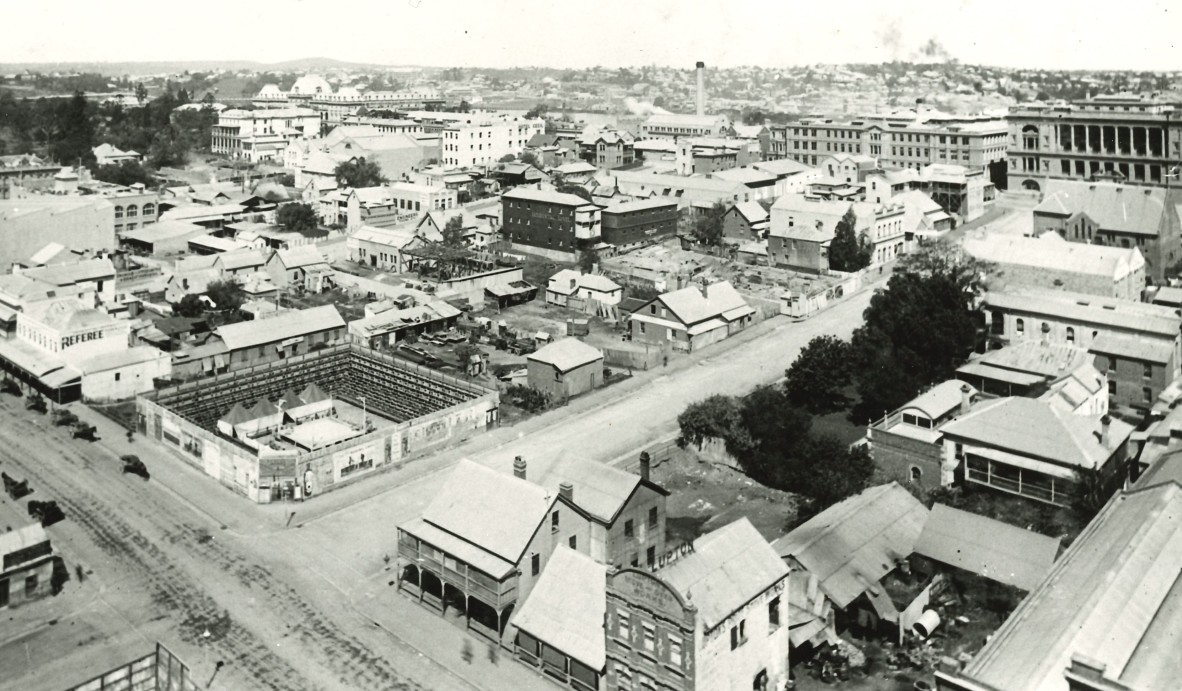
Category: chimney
[966,399]
[701,69]
[519,467]
[1104,424]
[646,465]
[567,490]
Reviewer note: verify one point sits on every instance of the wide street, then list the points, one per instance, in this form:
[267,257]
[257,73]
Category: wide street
[299,596]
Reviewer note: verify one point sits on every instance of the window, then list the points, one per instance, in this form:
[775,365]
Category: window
[535,564]
[625,625]
[30,585]
[1111,387]
[650,556]
[1146,395]
[675,651]
[118,212]
[1111,363]
[628,528]
[652,516]
[739,634]
[915,474]
[635,561]
[117,375]
[773,614]
[1070,335]
[1021,326]
[554,521]
[573,542]
[1147,371]
[650,637]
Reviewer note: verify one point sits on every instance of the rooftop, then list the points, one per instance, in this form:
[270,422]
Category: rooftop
[851,545]
[548,196]
[1158,320]
[567,606]
[987,547]
[599,489]
[1133,346]
[1115,207]
[727,569]
[1052,253]
[566,354]
[280,327]
[937,401]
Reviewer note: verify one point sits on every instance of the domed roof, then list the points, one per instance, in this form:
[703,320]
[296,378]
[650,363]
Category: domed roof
[310,84]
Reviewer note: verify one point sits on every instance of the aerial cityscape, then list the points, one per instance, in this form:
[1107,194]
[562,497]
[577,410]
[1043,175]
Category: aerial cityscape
[620,347]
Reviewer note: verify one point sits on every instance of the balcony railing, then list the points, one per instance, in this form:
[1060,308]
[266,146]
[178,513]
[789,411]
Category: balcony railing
[497,594]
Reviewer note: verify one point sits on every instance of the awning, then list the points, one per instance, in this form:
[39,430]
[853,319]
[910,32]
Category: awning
[7,314]
[987,371]
[61,377]
[1023,462]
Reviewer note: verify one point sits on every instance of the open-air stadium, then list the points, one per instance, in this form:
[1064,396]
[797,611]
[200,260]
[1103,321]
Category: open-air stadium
[304,425]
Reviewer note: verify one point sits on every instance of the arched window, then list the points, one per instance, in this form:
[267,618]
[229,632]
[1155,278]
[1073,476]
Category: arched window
[132,211]
[1070,335]
[1021,326]
[149,209]
[118,212]
[915,474]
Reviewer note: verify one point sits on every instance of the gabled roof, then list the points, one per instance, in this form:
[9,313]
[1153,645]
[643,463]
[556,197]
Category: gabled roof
[1033,428]
[566,354]
[567,606]
[987,547]
[280,327]
[1106,261]
[1115,597]
[752,211]
[851,545]
[77,272]
[727,569]
[301,256]
[240,259]
[599,489]
[67,314]
[497,512]
[1155,350]
[690,306]
[1115,207]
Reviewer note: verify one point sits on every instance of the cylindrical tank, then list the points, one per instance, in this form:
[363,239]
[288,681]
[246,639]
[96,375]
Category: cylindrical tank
[927,623]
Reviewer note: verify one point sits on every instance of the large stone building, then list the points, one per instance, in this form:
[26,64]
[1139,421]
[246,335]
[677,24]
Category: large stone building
[1132,137]
[1049,262]
[259,135]
[802,229]
[1106,213]
[478,138]
[674,125]
[975,142]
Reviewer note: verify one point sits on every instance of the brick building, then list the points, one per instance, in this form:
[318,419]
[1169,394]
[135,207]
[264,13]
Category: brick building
[551,221]
[632,224]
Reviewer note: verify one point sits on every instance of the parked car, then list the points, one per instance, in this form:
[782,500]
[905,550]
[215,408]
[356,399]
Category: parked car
[132,464]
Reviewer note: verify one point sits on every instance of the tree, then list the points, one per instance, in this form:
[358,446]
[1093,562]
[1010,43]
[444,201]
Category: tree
[587,261]
[358,172]
[125,173]
[770,431]
[538,111]
[506,158]
[916,333]
[577,190]
[945,258]
[714,417]
[73,138]
[530,158]
[708,226]
[453,231]
[464,107]
[834,471]
[297,217]
[226,295]
[189,306]
[819,374]
[141,93]
[849,251]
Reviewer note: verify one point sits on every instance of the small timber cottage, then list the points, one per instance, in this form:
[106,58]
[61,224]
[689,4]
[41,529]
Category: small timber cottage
[692,318]
[26,565]
[565,368]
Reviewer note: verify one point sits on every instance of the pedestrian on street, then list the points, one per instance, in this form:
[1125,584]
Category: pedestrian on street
[492,652]
[466,651]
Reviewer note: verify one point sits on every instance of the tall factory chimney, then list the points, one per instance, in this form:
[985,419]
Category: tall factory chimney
[701,88]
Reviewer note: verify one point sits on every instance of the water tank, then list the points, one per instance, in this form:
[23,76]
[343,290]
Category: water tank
[927,623]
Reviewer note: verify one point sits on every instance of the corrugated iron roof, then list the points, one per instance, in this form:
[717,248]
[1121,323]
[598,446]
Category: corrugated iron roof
[566,608]
[987,547]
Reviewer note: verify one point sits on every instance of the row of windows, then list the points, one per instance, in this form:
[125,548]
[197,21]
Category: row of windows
[132,210]
[894,136]
[1138,172]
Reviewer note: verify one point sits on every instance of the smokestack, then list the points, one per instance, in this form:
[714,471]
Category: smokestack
[966,399]
[1104,423]
[646,465]
[519,467]
[567,490]
[701,88]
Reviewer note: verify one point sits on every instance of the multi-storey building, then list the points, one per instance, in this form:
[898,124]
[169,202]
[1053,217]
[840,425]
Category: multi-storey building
[549,220]
[26,170]
[632,224]
[703,621]
[1133,137]
[477,139]
[674,125]
[264,134]
[976,142]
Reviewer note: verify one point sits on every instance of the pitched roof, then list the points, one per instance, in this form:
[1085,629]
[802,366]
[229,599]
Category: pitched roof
[690,306]
[566,607]
[301,256]
[496,512]
[280,327]
[549,196]
[77,272]
[1030,427]
[1055,255]
[1133,346]
[67,314]
[987,547]
[1090,309]
[727,569]
[566,354]
[1114,597]
[240,259]
[1115,207]
[752,211]
[22,538]
[599,489]
[851,545]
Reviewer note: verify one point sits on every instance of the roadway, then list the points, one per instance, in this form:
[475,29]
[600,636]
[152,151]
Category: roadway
[304,600]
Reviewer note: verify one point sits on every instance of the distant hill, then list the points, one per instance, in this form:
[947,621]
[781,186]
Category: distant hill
[179,66]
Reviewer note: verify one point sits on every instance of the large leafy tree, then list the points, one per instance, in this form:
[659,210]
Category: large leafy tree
[358,172]
[849,251]
[297,217]
[708,226]
[226,295]
[453,231]
[74,133]
[819,374]
[713,417]
[125,173]
[771,430]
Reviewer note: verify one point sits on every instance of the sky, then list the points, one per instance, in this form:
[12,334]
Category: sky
[1054,34]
